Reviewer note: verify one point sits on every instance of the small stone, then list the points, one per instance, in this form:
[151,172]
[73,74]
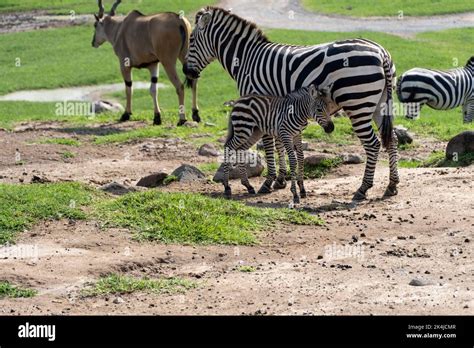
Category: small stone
[118,300]
[419,282]
[404,137]
[116,189]
[153,180]
[208,150]
[191,124]
[315,160]
[186,173]
[352,159]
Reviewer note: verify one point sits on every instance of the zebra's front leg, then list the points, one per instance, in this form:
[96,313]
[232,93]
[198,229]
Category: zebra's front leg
[289,146]
[300,157]
[393,162]
[280,182]
[269,146]
[230,155]
[372,149]
[244,178]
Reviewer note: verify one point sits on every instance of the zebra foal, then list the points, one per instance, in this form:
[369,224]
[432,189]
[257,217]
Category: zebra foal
[441,90]
[283,118]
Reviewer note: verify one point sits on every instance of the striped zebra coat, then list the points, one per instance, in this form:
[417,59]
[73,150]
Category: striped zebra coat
[441,90]
[360,71]
[283,118]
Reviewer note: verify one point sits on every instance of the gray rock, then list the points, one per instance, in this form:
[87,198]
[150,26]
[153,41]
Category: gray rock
[348,158]
[188,173]
[222,139]
[254,168]
[420,282]
[191,124]
[461,144]
[118,300]
[153,180]
[117,189]
[404,137]
[315,160]
[208,150]
[102,106]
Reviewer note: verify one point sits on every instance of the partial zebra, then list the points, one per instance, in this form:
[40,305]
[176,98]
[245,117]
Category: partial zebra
[360,71]
[283,118]
[441,90]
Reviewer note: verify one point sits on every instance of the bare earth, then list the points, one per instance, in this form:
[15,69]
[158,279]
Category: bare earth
[425,233]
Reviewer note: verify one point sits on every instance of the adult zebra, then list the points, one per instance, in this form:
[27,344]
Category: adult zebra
[360,71]
[441,90]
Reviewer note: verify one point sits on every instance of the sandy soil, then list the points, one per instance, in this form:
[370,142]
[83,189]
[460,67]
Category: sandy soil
[425,233]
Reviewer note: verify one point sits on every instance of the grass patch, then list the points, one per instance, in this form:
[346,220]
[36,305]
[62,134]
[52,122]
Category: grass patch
[68,155]
[365,8]
[246,269]
[12,291]
[193,218]
[118,285]
[320,170]
[61,141]
[209,168]
[25,205]
[438,159]
[169,179]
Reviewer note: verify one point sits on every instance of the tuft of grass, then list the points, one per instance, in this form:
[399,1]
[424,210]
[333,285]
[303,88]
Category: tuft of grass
[12,291]
[169,179]
[25,205]
[120,284]
[438,159]
[68,155]
[60,141]
[321,169]
[246,269]
[193,218]
[209,168]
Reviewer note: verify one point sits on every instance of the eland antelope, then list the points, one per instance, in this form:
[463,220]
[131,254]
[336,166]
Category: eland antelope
[141,41]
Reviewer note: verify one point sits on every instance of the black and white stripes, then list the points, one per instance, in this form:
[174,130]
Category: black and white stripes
[360,71]
[441,90]
[283,118]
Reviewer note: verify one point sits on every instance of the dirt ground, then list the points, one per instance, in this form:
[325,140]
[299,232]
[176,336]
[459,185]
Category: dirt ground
[361,262]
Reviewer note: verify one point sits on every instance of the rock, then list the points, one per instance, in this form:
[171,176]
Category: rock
[420,282]
[118,300]
[153,180]
[404,137]
[254,168]
[39,179]
[315,160]
[102,106]
[348,158]
[461,144]
[222,139]
[188,173]
[208,150]
[116,189]
[191,124]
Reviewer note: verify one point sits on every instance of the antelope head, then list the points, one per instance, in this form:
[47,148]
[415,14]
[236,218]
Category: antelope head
[99,33]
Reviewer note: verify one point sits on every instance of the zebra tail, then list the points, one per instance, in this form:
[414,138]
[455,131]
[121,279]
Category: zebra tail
[188,83]
[387,123]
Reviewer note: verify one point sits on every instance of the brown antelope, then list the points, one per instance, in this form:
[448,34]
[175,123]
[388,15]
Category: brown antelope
[141,41]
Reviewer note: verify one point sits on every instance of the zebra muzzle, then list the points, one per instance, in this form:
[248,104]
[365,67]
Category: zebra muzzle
[329,128]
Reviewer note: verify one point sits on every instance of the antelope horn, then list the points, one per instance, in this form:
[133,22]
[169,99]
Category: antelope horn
[114,7]
[101,8]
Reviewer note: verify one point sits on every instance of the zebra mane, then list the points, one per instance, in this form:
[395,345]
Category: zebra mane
[260,34]
[302,92]
[470,62]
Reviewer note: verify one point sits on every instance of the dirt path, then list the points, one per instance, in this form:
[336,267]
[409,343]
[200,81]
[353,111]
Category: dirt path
[425,233]
[289,14]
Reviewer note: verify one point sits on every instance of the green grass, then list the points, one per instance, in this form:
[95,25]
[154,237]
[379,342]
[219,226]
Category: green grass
[119,284]
[209,168]
[366,8]
[246,269]
[68,155]
[438,159]
[12,291]
[192,218]
[90,7]
[25,205]
[321,169]
[60,141]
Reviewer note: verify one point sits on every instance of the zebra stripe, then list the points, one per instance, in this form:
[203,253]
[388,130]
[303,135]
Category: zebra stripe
[441,90]
[283,118]
[359,70]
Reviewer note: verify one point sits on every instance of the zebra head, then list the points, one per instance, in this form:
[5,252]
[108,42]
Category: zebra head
[201,50]
[319,106]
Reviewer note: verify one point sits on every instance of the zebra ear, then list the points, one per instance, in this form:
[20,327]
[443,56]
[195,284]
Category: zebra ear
[204,20]
[313,91]
[325,91]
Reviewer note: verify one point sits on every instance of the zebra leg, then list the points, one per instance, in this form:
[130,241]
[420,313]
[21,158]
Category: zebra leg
[289,146]
[413,110]
[393,160]
[230,149]
[244,179]
[280,182]
[270,159]
[372,148]
[300,159]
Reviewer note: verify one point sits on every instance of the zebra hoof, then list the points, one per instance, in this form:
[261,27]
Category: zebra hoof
[264,190]
[296,200]
[157,119]
[125,117]
[279,185]
[359,196]
[251,191]
[303,194]
[181,122]
[196,117]
[390,192]
[228,193]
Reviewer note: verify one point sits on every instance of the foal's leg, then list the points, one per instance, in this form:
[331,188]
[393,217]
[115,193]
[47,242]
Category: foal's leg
[300,158]
[269,146]
[287,140]
[281,180]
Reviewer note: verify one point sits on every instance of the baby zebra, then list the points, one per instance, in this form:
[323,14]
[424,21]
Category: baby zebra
[441,90]
[284,118]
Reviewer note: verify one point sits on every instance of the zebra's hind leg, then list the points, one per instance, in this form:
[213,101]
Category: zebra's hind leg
[269,146]
[300,159]
[372,148]
[280,182]
[289,146]
[393,162]
[244,179]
